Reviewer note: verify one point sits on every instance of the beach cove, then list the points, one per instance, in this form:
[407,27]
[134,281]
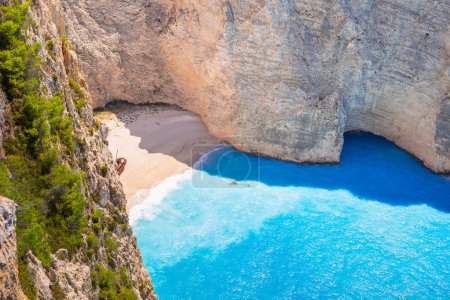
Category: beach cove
[212,221]
[158,141]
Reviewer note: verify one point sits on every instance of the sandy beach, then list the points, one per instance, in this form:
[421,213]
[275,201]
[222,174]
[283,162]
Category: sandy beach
[158,141]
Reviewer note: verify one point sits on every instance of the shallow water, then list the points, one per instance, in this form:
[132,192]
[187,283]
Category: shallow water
[242,227]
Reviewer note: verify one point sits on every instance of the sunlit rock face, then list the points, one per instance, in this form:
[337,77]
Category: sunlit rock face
[9,274]
[283,79]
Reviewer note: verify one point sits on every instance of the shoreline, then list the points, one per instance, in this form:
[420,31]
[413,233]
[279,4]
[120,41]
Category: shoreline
[158,141]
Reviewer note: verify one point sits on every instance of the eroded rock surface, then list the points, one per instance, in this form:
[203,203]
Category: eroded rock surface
[71,276]
[9,274]
[280,78]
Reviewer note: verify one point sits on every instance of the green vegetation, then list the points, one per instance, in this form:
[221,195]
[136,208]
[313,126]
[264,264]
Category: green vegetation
[93,242]
[78,95]
[111,245]
[15,54]
[112,285]
[97,216]
[65,42]
[51,48]
[26,282]
[104,170]
[51,207]
[57,292]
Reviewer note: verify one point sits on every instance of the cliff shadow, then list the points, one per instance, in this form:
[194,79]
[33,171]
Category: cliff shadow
[164,129]
[371,168]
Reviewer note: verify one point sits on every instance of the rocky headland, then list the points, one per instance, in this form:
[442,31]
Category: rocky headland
[66,235]
[283,79]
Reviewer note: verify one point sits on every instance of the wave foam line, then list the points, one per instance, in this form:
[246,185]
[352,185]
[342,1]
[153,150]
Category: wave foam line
[148,209]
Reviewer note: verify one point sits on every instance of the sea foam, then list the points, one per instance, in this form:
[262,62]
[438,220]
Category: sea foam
[148,208]
[376,226]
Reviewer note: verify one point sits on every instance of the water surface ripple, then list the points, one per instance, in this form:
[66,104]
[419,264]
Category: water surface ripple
[242,227]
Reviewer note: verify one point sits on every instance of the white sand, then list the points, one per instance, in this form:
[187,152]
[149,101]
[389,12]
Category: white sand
[157,141]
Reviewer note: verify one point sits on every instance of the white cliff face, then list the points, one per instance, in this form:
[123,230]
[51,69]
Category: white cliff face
[284,78]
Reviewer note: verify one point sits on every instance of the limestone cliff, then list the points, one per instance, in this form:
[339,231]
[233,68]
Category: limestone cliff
[281,78]
[9,274]
[110,249]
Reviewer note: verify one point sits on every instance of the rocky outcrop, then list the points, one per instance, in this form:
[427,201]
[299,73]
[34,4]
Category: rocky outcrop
[70,276]
[39,276]
[9,275]
[283,79]
[103,191]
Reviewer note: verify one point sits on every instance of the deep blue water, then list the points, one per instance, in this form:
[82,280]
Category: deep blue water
[243,227]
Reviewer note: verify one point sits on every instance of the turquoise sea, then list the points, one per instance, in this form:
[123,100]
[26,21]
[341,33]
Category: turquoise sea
[241,227]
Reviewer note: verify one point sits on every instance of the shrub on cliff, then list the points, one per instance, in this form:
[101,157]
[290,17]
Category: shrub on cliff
[39,171]
[112,285]
[49,194]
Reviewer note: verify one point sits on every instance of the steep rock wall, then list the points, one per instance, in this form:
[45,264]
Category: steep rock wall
[103,191]
[71,277]
[280,78]
[9,274]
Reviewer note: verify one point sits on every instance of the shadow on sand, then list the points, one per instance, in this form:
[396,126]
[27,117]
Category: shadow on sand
[165,129]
